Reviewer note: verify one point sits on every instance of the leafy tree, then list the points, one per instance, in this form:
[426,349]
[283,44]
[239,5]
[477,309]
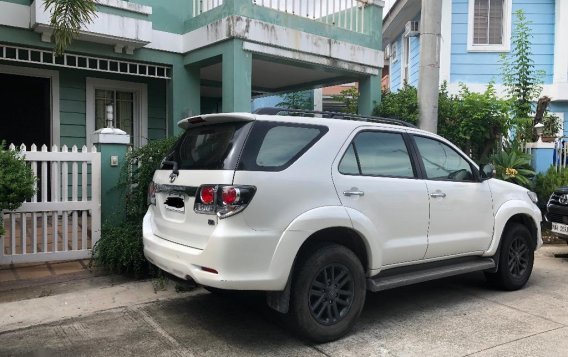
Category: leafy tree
[523,82]
[297,100]
[402,104]
[350,98]
[67,17]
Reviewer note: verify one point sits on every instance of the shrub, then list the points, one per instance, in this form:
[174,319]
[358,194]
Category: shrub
[402,104]
[16,181]
[513,165]
[120,249]
[546,183]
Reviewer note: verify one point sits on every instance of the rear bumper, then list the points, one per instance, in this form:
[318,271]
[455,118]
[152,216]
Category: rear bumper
[241,258]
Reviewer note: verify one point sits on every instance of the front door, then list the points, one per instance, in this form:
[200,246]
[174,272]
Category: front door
[461,207]
[375,178]
[25,110]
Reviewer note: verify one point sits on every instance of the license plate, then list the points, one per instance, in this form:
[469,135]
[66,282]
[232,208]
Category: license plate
[559,228]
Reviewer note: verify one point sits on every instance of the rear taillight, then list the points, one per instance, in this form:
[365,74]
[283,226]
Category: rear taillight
[223,200]
[151,198]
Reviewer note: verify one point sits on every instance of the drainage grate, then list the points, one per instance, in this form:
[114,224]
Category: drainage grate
[30,55]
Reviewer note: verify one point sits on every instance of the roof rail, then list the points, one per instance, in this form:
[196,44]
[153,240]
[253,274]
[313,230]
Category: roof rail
[331,115]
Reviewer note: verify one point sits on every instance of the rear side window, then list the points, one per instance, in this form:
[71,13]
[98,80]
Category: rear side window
[276,146]
[210,147]
[377,154]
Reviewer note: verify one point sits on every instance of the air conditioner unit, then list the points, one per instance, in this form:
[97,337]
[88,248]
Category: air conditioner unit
[411,29]
[387,51]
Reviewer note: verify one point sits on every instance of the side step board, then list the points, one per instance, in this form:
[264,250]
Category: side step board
[378,282]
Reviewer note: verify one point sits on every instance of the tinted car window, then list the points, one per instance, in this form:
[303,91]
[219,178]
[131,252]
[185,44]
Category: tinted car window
[377,154]
[209,147]
[441,162]
[276,146]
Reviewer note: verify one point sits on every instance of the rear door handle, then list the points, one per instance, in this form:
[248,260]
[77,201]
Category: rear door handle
[353,193]
[438,195]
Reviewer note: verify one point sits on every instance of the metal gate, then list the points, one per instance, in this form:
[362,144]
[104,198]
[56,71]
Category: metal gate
[63,220]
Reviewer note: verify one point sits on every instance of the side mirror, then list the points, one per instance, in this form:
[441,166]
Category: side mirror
[487,171]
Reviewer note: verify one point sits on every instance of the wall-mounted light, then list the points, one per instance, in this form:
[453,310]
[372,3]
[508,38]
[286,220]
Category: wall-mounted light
[109,116]
[539,129]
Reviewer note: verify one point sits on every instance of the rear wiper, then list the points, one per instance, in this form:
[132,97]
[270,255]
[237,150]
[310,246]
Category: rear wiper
[175,166]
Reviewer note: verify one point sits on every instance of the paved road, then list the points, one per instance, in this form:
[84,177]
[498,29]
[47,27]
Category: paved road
[452,317]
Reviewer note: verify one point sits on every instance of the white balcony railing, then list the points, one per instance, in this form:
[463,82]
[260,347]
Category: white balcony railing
[346,14]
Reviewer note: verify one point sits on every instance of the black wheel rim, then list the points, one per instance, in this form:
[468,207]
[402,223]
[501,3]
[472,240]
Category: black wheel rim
[331,294]
[518,261]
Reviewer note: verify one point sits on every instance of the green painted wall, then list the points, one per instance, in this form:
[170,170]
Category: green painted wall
[21,2]
[169,15]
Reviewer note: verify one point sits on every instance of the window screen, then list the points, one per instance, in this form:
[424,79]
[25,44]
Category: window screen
[488,22]
[377,154]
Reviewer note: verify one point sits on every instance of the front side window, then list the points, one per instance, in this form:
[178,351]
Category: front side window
[441,162]
[377,154]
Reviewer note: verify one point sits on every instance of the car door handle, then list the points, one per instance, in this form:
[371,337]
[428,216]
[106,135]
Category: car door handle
[438,195]
[353,193]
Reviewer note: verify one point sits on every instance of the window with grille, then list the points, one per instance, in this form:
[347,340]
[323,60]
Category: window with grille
[489,25]
[488,22]
[123,109]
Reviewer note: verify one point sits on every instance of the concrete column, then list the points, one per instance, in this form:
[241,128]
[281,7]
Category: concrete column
[430,28]
[184,95]
[237,78]
[369,94]
[113,145]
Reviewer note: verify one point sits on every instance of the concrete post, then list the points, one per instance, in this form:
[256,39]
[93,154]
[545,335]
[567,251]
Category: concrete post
[113,145]
[237,78]
[428,85]
[369,94]
[185,93]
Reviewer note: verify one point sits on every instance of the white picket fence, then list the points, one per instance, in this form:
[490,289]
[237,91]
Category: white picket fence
[63,220]
[346,14]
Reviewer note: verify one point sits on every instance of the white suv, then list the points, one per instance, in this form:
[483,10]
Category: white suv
[315,211]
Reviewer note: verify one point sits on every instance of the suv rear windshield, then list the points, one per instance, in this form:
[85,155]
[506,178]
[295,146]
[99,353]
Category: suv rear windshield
[210,147]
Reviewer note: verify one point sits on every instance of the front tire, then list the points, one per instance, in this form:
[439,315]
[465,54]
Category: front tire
[516,259]
[328,293]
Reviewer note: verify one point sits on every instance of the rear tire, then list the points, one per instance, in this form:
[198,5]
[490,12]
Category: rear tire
[516,259]
[328,293]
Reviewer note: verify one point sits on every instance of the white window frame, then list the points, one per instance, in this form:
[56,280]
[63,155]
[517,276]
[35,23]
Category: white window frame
[405,61]
[506,45]
[53,76]
[140,107]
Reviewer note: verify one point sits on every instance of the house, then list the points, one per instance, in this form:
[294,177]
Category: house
[474,33]
[143,65]
[157,62]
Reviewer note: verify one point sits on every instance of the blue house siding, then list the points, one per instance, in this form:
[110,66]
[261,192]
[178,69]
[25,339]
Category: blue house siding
[483,67]
[395,75]
[561,107]
[396,80]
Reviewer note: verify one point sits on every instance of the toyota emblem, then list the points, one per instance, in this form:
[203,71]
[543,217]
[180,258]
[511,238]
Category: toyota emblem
[173,177]
[563,199]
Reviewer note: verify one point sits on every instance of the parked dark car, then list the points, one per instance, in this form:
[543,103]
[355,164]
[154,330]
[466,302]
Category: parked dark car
[557,212]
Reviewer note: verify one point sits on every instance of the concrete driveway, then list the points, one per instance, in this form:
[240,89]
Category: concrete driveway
[458,316]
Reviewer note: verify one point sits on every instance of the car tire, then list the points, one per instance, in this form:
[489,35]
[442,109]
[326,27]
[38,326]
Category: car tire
[516,259]
[328,293]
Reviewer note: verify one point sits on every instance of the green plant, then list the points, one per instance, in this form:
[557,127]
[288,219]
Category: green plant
[552,124]
[513,165]
[17,181]
[523,82]
[120,248]
[350,98]
[402,104]
[67,17]
[297,100]
[546,183]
